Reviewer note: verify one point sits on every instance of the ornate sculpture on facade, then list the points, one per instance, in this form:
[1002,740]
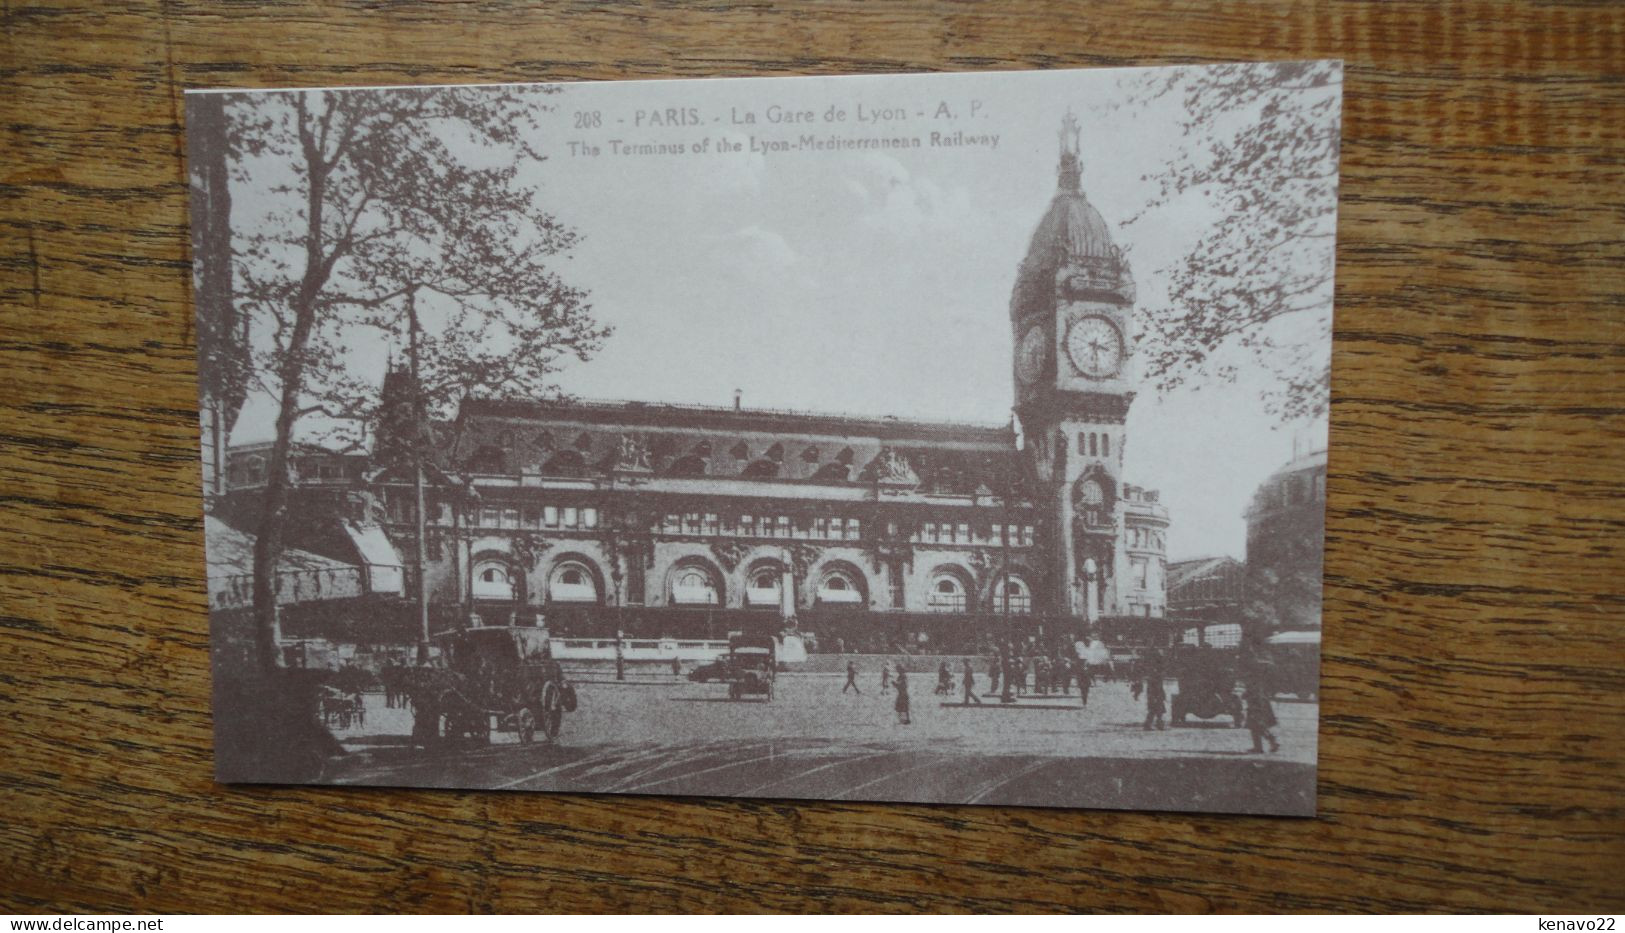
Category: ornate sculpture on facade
[891,546]
[729,554]
[528,548]
[1094,498]
[802,558]
[892,468]
[632,454]
[982,565]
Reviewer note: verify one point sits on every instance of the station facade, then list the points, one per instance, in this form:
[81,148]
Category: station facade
[597,518]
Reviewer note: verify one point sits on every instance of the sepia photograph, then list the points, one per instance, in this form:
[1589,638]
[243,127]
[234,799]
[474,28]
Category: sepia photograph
[942,438]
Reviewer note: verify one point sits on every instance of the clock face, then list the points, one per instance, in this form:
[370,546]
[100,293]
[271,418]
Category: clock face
[1031,356]
[1095,346]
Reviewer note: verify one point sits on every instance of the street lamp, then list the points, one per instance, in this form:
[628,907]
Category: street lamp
[1091,585]
[1004,539]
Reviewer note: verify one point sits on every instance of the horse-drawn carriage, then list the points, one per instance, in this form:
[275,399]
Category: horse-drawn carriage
[496,678]
[342,708]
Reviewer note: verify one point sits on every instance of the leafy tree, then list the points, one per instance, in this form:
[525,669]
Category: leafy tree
[398,215]
[1259,145]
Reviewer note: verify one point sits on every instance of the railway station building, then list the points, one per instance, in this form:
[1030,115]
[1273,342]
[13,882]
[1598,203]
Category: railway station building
[662,520]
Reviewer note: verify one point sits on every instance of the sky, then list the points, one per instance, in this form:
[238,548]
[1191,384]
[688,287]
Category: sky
[870,282]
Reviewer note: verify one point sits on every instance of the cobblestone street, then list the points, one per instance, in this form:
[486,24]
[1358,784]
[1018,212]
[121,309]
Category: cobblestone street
[660,734]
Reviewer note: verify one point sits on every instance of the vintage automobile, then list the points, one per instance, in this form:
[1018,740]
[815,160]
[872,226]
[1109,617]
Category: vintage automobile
[752,666]
[495,678]
[709,671]
[1207,685]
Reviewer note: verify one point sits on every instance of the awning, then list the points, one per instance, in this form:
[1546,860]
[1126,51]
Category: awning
[302,576]
[383,562]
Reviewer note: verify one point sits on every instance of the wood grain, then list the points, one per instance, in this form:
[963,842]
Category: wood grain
[1473,727]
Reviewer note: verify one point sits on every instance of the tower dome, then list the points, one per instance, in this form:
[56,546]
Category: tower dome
[1071,234]
[1071,231]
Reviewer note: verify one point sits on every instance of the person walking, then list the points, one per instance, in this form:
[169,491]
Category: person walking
[1085,678]
[945,680]
[994,667]
[969,676]
[902,697]
[852,679]
[885,677]
[1260,719]
[1156,700]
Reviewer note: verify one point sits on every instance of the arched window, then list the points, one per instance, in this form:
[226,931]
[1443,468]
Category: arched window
[1021,597]
[493,580]
[572,582]
[766,586]
[947,593]
[694,585]
[840,587]
[1105,445]
[1093,500]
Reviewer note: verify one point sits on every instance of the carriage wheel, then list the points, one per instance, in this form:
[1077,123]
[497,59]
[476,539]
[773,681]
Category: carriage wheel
[472,724]
[552,710]
[527,725]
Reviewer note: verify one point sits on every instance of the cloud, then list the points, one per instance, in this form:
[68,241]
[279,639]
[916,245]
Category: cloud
[754,246]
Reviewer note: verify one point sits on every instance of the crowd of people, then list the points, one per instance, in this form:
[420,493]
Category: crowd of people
[1012,678]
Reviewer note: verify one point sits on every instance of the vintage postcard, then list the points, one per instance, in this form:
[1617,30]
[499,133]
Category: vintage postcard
[943,438]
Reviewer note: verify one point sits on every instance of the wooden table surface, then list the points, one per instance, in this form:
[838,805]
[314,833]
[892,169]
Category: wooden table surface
[1473,722]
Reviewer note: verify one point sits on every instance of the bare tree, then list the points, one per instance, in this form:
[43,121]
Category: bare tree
[1260,146]
[398,215]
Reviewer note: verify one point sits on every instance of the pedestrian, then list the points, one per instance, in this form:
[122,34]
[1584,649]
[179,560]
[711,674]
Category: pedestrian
[945,680]
[885,677]
[995,667]
[1156,700]
[852,679]
[902,697]
[969,677]
[386,677]
[1086,679]
[676,667]
[620,660]
[1019,677]
[1260,719]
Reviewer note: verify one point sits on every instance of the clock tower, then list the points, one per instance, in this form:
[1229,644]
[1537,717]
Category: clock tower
[1072,315]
